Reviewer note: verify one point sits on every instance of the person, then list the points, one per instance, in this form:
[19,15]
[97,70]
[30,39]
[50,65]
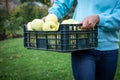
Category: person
[99,63]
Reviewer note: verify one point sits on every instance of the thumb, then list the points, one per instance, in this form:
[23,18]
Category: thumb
[43,18]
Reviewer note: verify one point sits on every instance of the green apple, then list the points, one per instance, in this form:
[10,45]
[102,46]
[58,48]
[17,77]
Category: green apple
[83,35]
[49,26]
[37,24]
[29,28]
[73,41]
[64,22]
[51,17]
[68,21]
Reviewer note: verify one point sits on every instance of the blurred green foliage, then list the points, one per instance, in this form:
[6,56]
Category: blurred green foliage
[21,15]
[12,21]
[3,16]
[27,12]
[46,2]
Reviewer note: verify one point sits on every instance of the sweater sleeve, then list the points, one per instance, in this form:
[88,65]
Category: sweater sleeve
[61,7]
[111,21]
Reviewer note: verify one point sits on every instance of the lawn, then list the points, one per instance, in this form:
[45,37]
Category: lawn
[19,63]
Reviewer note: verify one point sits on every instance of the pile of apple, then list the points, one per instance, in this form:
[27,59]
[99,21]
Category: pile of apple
[72,21]
[49,24]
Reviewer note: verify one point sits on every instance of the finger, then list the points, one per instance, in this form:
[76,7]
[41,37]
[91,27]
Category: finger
[84,25]
[90,26]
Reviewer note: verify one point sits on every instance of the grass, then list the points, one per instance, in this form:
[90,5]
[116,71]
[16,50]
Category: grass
[18,63]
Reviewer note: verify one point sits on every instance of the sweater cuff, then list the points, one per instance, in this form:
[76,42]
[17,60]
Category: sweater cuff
[102,20]
[51,11]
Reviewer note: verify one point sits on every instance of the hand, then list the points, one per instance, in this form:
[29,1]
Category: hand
[89,22]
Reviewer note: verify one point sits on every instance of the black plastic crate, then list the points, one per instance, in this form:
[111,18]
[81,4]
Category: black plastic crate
[67,39]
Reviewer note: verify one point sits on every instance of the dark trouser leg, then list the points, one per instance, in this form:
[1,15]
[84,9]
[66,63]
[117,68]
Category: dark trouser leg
[83,66]
[106,66]
[94,65]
